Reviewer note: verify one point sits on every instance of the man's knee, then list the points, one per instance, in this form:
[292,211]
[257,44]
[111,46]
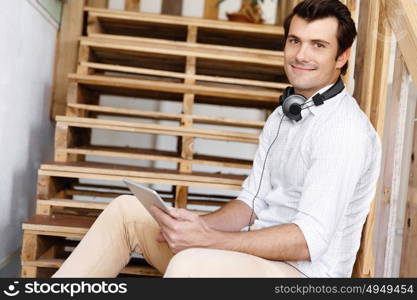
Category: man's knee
[191,262]
[129,208]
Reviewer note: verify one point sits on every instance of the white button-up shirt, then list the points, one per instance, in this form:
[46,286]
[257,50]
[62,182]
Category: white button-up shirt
[321,175]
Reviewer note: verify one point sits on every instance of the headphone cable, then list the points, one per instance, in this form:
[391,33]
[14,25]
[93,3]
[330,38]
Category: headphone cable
[259,188]
[262,173]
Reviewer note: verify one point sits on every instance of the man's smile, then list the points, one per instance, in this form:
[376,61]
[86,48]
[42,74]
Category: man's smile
[302,68]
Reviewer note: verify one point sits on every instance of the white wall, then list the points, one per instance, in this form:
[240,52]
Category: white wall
[27,48]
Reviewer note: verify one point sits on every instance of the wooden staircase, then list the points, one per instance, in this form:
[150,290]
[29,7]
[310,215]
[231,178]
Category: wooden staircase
[129,55]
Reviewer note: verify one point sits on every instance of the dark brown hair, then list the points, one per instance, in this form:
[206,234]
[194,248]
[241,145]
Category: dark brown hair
[311,10]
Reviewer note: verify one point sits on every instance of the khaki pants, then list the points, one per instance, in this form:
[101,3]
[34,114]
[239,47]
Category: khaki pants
[125,227]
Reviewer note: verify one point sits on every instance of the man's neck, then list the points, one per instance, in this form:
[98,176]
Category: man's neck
[309,93]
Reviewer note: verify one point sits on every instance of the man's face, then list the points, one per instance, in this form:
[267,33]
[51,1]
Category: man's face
[310,52]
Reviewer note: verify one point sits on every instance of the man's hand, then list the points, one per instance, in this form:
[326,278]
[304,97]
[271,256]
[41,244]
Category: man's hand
[182,229]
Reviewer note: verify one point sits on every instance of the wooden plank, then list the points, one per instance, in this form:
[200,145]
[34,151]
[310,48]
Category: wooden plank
[29,272]
[34,246]
[366,53]
[175,20]
[171,7]
[156,115]
[58,223]
[402,17]
[158,129]
[408,264]
[98,3]
[73,203]
[176,48]
[396,168]
[157,155]
[132,5]
[148,177]
[143,179]
[186,144]
[211,9]
[56,263]
[66,52]
[365,262]
[122,170]
[219,79]
[129,83]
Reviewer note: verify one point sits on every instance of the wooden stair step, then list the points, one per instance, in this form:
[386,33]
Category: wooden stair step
[70,203]
[155,115]
[179,75]
[158,129]
[58,225]
[157,155]
[56,263]
[70,227]
[167,47]
[146,175]
[261,97]
[131,17]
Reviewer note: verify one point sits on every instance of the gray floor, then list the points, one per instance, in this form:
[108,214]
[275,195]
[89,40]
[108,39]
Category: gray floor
[12,267]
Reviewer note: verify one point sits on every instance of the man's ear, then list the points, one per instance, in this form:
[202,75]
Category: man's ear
[343,58]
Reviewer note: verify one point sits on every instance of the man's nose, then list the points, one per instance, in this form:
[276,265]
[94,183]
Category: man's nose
[302,54]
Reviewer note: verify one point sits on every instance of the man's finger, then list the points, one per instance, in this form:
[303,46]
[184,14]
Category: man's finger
[162,218]
[183,214]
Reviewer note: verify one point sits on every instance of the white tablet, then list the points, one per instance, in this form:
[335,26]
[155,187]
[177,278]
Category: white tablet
[148,197]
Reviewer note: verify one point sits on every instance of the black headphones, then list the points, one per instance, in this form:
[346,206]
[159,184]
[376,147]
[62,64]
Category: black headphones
[293,104]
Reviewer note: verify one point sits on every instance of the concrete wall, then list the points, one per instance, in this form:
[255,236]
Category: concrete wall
[27,48]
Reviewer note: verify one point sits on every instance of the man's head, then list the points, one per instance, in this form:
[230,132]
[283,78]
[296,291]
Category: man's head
[318,39]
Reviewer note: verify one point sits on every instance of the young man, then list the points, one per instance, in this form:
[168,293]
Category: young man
[306,198]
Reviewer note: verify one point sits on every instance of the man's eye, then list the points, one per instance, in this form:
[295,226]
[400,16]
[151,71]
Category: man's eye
[293,41]
[319,45]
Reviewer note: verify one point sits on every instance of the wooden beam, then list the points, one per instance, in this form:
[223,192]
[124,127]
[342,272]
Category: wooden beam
[99,171]
[366,53]
[235,93]
[98,3]
[408,267]
[211,9]
[171,7]
[402,16]
[186,144]
[67,52]
[132,5]
[207,78]
[130,17]
[116,125]
[396,149]
[371,93]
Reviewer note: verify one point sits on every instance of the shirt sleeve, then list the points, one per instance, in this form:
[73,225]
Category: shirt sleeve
[259,169]
[338,158]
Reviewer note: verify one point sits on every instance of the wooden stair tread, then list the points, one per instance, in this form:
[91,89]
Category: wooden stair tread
[128,16]
[130,83]
[105,168]
[93,170]
[58,223]
[171,74]
[158,129]
[178,48]
[157,155]
[57,263]
[168,116]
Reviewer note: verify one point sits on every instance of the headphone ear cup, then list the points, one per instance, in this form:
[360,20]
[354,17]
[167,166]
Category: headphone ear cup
[284,95]
[292,106]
